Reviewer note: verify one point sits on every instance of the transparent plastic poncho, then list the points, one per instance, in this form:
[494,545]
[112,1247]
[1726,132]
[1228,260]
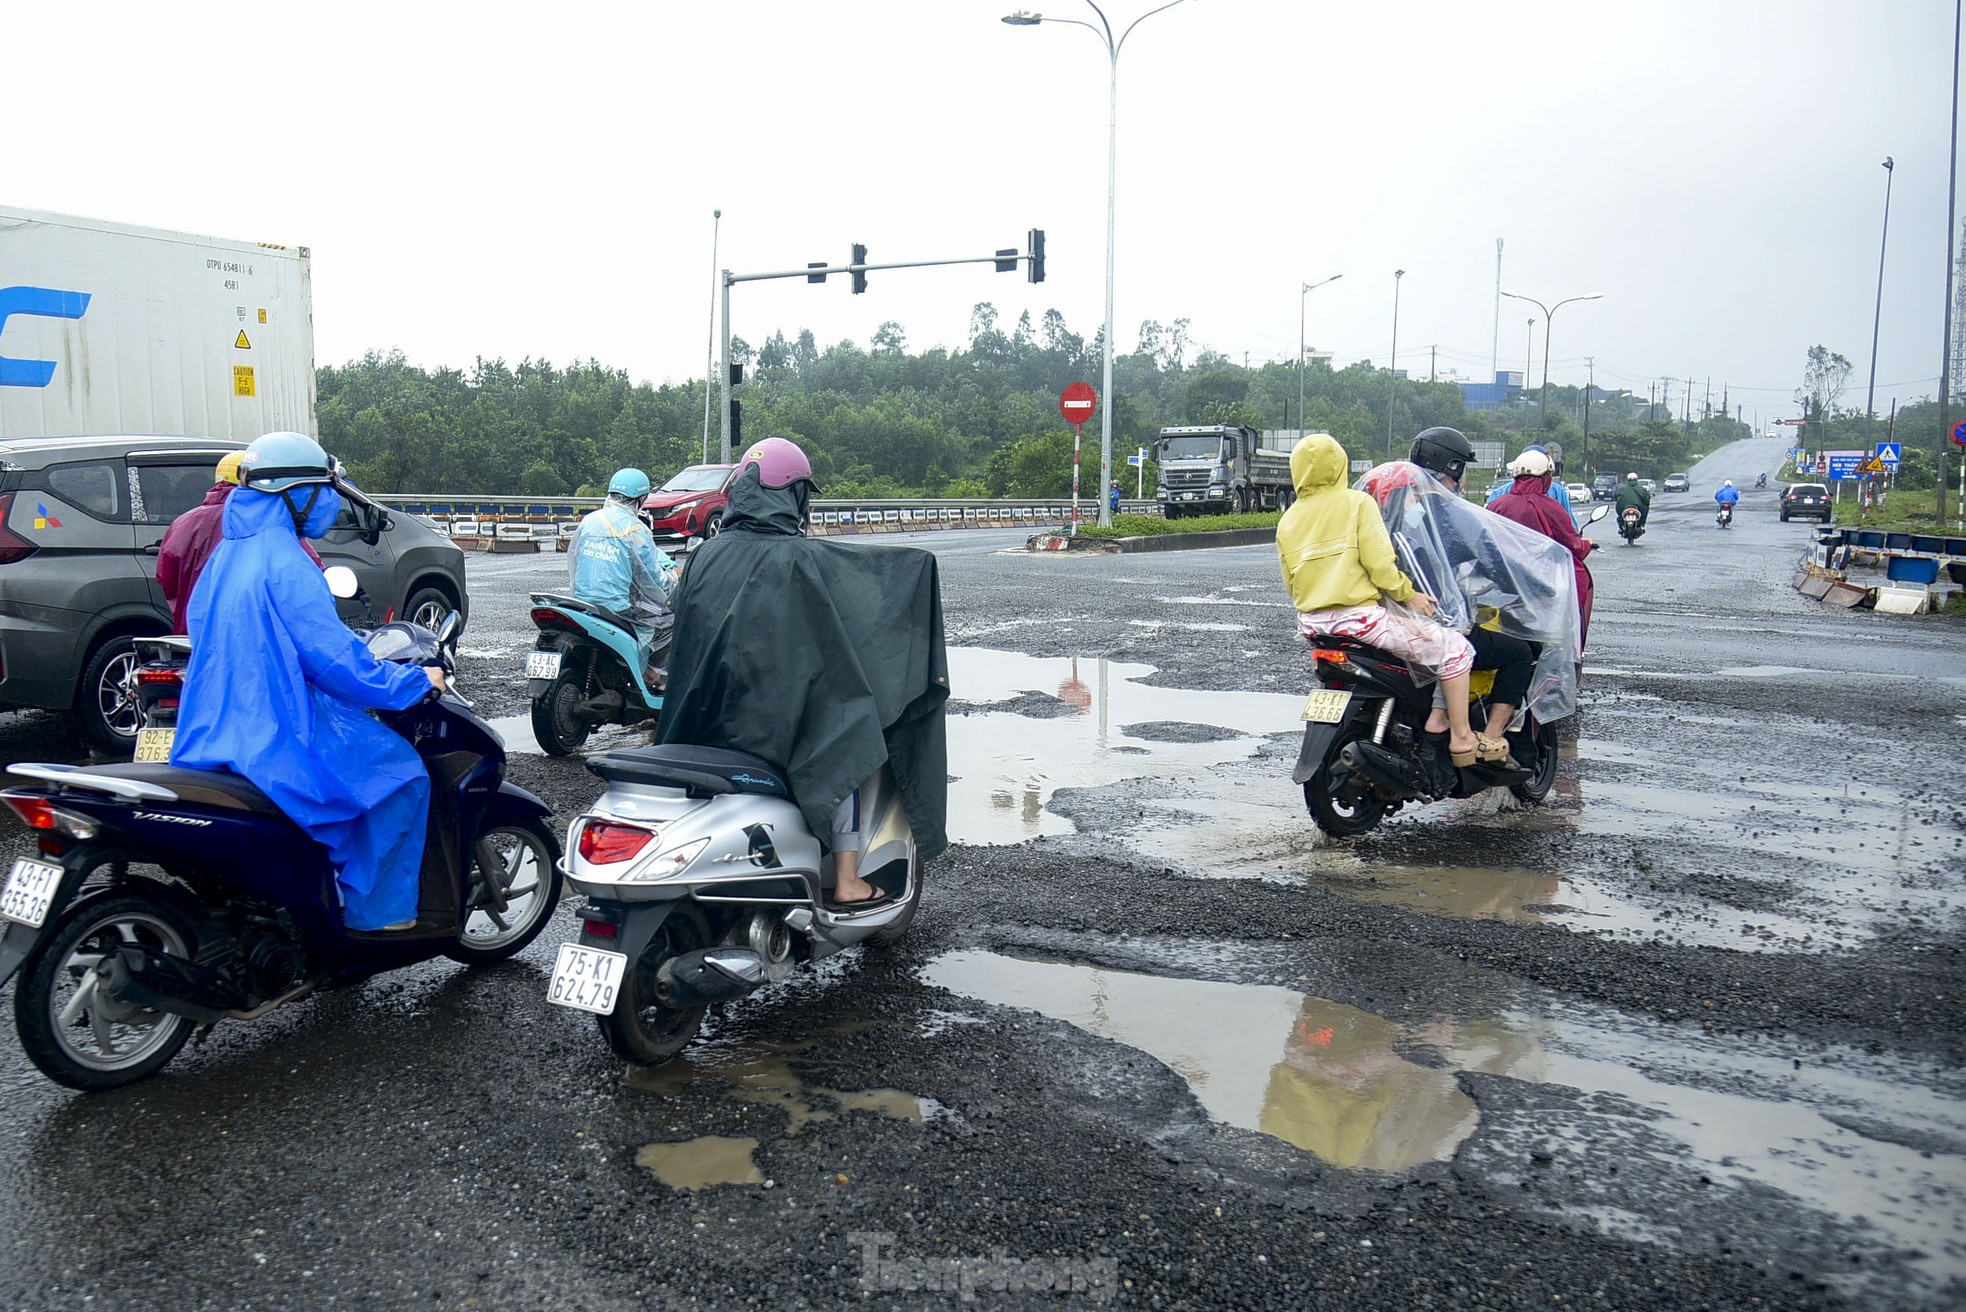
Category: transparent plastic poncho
[1484,569]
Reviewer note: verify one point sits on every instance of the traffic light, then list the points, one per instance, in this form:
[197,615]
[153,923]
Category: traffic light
[859,274]
[1035,271]
[1006,260]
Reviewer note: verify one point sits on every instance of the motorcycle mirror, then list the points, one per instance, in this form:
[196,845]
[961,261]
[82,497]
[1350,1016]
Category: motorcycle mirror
[341,581]
[447,629]
[1598,514]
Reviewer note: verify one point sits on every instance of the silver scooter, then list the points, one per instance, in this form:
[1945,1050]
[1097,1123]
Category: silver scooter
[703,884]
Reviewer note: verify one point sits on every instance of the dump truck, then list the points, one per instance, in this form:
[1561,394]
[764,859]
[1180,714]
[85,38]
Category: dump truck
[1218,469]
[108,330]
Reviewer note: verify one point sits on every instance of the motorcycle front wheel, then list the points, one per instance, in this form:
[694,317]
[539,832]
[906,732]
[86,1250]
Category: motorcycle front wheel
[72,1030]
[1543,761]
[1345,815]
[641,1028]
[523,861]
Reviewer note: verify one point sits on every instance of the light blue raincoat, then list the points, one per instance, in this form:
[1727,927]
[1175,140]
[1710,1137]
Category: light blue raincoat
[615,563]
[278,691]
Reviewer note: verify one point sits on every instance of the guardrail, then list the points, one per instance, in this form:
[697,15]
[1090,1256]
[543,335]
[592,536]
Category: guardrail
[515,519]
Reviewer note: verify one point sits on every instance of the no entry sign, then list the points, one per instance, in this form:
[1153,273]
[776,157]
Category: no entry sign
[1959,432]
[1076,403]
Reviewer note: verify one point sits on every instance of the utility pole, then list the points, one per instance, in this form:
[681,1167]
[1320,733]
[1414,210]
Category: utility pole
[1590,365]
[1433,360]
[1495,351]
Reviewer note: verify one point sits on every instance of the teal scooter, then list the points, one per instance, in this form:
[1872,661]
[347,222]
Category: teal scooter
[585,671]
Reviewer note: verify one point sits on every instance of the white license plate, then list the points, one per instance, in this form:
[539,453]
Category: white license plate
[543,665]
[587,979]
[30,889]
[154,746]
[1326,706]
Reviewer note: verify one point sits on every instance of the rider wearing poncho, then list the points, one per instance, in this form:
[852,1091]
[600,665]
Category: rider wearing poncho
[279,689]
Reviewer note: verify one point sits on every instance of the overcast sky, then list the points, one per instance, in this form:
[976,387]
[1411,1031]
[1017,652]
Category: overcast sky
[538,180]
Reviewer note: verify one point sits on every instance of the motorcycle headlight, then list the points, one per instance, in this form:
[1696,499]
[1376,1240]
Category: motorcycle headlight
[667,865]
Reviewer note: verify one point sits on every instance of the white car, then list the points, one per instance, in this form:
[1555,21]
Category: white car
[1580,493]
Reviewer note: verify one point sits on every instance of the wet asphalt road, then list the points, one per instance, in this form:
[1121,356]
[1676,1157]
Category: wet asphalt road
[1687,1037]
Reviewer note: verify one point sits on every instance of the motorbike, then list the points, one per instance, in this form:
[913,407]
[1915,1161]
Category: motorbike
[703,884]
[158,676]
[1761,480]
[585,670]
[1365,754]
[1629,527]
[1724,516]
[162,900]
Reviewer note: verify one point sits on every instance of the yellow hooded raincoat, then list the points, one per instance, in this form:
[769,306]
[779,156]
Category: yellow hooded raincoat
[1333,543]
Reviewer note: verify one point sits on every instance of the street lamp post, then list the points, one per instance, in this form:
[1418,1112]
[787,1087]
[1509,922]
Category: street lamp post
[1877,316]
[1024,18]
[1308,288]
[1549,312]
[1392,366]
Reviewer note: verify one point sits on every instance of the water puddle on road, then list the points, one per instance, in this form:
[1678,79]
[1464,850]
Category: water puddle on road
[1316,1074]
[702,1163]
[762,1075]
[1634,1114]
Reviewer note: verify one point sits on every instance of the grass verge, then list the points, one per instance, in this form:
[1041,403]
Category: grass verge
[1143,526]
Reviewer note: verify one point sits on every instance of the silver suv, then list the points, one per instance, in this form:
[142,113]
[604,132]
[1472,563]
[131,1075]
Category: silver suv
[80,522]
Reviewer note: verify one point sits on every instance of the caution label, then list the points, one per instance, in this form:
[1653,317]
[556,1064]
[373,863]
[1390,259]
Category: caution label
[241,342]
[242,380]
[262,316]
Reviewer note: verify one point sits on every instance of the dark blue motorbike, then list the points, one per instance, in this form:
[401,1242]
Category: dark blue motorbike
[164,899]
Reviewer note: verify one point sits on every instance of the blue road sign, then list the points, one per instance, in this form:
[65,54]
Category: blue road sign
[1888,452]
[1844,464]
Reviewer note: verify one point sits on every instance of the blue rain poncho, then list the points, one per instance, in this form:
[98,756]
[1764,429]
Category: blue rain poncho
[613,562]
[278,690]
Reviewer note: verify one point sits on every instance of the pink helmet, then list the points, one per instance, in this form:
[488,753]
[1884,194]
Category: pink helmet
[780,462]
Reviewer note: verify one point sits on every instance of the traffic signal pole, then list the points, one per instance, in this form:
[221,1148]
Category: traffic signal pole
[1004,260]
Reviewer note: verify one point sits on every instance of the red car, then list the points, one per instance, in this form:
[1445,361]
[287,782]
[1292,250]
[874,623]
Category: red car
[691,504]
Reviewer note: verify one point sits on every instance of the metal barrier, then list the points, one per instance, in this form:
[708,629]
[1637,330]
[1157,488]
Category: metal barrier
[544,519]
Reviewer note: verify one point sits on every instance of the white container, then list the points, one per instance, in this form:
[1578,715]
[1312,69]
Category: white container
[108,329]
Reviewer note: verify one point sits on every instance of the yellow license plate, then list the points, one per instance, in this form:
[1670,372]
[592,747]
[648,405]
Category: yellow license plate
[154,746]
[1326,706]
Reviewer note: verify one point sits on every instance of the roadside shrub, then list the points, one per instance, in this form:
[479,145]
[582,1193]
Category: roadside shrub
[1141,526]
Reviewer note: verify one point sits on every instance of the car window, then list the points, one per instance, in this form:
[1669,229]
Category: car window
[160,493]
[90,486]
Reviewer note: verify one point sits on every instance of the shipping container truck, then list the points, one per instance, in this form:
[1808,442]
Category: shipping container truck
[108,329]
[1218,469]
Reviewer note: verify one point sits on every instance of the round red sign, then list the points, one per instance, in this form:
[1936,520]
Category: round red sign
[1077,403]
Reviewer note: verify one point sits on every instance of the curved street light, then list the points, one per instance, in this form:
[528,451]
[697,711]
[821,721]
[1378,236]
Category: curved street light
[1026,18]
[1308,288]
[1549,312]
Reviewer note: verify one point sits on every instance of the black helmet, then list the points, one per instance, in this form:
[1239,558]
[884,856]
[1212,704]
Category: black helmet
[1446,451]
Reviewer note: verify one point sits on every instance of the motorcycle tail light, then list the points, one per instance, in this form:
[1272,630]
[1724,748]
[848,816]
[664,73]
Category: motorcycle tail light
[1331,654]
[545,618]
[40,813]
[160,676]
[604,842]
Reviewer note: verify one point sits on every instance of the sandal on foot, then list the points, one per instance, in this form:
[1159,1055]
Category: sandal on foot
[1462,760]
[1491,751]
[878,897]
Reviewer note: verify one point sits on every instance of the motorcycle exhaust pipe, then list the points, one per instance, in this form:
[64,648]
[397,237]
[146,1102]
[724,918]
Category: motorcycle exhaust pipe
[710,975]
[1384,769]
[161,984]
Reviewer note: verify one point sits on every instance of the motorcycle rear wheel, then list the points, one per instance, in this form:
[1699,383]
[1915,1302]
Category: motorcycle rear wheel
[1537,786]
[559,731]
[640,1028]
[528,860]
[1340,817]
[83,1039]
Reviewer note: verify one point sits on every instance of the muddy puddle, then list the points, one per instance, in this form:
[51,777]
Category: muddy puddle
[761,1075]
[1623,1119]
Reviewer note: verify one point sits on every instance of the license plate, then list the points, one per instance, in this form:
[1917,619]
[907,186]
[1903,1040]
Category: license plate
[543,665]
[30,890]
[587,979]
[154,746]
[1327,706]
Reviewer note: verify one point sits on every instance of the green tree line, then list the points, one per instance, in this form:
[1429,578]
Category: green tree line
[882,420]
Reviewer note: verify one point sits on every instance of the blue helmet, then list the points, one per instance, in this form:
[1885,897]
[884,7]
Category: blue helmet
[279,461]
[629,484]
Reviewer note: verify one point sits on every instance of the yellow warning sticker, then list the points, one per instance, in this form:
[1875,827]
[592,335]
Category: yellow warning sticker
[242,343]
[262,316]
[242,380]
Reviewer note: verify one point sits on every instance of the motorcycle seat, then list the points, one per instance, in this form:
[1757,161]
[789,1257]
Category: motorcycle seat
[575,604]
[214,788]
[699,771]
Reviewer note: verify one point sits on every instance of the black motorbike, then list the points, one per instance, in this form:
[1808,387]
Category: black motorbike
[1365,753]
[1724,517]
[1630,527]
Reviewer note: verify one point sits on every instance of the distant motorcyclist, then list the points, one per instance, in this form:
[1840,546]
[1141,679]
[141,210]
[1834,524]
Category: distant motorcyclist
[1727,494]
[1113,496]
[1632,493]
[1761,480]
[279,689]
[614,562]
[1558,492]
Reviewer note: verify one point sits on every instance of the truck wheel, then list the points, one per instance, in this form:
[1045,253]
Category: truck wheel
[106,703]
